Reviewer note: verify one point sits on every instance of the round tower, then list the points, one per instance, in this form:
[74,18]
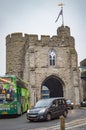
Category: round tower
[63,31]
[15,54]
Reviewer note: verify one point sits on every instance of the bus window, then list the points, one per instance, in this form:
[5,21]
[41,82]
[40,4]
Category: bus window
[10,93]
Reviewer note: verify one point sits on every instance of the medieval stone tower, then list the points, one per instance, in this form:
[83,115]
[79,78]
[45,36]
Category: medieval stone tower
[50,61]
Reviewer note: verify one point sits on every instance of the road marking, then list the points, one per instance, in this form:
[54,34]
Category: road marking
[68,126]
[79,125]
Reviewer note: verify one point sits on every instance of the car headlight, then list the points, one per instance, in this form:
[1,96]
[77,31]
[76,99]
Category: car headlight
[28,111]
[42,111]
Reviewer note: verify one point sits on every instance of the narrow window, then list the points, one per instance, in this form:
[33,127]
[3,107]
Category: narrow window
[52,58]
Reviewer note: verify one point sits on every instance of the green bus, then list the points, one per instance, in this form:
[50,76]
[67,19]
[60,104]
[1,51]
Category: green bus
[14,95]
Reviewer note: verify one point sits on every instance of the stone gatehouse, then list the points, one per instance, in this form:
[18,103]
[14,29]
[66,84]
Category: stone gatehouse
[48,61]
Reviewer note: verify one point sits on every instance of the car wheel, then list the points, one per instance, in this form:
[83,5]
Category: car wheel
[65,114]
[71,107]
[30,120]
[48,117]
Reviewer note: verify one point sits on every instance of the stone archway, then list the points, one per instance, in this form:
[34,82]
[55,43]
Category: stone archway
[55,86]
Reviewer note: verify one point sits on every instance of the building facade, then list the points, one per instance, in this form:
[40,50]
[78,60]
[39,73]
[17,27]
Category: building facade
[49,61]
[83,79]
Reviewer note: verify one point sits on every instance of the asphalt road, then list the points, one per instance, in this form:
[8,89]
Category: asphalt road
[21,123]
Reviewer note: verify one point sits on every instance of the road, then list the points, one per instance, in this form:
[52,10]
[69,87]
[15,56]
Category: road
[76,118]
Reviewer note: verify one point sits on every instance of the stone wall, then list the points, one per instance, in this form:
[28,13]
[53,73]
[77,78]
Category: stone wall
[28,57]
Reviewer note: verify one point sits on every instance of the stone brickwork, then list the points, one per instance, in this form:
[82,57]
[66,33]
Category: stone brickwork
[28,58]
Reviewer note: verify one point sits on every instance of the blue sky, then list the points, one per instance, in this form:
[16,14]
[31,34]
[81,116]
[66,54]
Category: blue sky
[38,17]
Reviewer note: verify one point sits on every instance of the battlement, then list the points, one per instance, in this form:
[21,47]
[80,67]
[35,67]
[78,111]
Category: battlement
[63,31]
[32,39]
[11,38]
[14,37]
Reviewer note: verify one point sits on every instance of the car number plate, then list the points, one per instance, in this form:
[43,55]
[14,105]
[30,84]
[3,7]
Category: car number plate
[32,115]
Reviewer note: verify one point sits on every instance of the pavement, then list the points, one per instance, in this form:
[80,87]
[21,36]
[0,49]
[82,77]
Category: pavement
[81,127]
[77,128]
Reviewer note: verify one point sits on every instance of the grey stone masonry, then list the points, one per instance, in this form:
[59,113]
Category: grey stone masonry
[28,58]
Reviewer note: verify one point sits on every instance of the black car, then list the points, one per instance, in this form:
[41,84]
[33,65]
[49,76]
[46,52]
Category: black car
[46,109]
[83,103]
[70,104]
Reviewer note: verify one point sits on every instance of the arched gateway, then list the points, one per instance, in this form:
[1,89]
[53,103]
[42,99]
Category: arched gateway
[51,62]
[54,85]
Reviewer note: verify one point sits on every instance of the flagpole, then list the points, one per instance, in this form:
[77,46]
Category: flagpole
[61,5]
[62,16]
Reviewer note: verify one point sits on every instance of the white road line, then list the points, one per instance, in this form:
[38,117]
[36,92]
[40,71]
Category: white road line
[75,126]
[69,125]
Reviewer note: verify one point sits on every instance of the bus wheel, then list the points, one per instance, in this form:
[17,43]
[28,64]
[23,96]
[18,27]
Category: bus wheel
[48,117]
[21,113]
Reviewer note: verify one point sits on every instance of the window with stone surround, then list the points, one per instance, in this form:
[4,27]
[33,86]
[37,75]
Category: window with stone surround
[52,58]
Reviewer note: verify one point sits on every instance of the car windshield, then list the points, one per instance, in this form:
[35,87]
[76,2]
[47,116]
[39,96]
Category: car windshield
[43,103]
[68,101]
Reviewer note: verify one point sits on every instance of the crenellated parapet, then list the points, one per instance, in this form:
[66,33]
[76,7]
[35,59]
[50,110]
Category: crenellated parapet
[14,37]
[30,40]
[63,38]
[17,45]
[63,31]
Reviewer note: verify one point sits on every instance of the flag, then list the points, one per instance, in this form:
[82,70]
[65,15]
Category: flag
[60,13]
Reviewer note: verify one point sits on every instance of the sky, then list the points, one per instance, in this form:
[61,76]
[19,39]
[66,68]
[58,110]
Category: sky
[38,17]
